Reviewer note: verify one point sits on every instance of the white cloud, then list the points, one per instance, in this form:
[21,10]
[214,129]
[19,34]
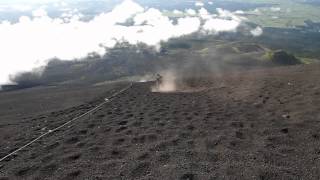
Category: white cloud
[257,11]
[210,3]
[63,4]
[33,41]
[228,15]
[220,25]
[199,4]
[203,11]
[204,14]
[177,12]
[239,12]
[39,13]
[226,21]
[258,31]
[191,12]
[275,9]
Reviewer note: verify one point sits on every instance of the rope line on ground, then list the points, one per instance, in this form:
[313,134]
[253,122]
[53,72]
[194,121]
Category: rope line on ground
[106,100]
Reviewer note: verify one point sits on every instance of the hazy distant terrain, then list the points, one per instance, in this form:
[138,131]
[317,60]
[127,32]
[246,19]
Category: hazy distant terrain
[268,13]
[290,25]
[209,55]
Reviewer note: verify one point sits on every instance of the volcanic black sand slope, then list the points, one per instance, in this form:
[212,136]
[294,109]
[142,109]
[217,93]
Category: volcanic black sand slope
[261,124]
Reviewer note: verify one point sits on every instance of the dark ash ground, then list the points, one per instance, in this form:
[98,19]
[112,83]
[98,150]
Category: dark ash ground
[262,124]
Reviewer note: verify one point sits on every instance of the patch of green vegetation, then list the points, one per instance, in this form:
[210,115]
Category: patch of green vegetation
[290,14]
[308,60]
[267,56]
[236,49]
[286,58]
[203,51]
[281,14]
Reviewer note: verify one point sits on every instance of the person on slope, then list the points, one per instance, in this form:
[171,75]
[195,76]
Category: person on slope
[159,80]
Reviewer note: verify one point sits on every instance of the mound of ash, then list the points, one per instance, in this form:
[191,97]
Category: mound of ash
[283,58]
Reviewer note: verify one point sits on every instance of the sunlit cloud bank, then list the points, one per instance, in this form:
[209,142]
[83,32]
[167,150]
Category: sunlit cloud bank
[31,42]
[258,31]
[224,22]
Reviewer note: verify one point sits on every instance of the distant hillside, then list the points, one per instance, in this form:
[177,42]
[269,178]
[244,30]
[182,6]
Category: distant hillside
[187,56]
